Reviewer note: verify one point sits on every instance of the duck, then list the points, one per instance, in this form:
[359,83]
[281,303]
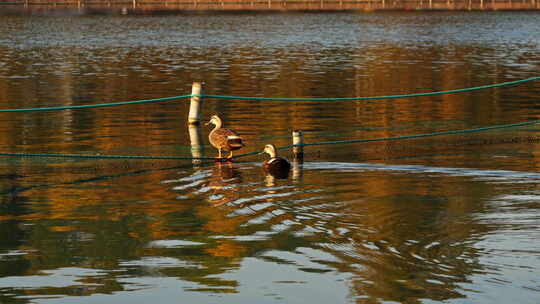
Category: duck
[276,166]
[223,139]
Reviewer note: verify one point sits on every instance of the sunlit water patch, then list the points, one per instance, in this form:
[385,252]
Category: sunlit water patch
[448,219]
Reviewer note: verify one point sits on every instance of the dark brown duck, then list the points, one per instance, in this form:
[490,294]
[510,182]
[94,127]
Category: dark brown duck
[277,166]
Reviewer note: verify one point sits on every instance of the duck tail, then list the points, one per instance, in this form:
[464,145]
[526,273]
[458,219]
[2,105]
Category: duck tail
[235,141]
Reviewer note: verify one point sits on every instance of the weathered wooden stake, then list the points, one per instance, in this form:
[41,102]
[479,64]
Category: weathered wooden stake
[298,141]
[195,105]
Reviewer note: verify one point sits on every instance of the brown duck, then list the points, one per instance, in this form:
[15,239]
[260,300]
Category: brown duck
[223,139]
[277,166]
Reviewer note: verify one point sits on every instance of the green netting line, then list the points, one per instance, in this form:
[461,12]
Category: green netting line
[99,156]
[452,132]
[335,142]
[99,105]
[502,84]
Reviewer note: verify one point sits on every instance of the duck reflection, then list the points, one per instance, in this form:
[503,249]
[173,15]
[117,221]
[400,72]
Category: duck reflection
[225,178]
[269,180]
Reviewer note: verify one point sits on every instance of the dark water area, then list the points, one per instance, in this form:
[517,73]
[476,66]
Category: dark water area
[443,219]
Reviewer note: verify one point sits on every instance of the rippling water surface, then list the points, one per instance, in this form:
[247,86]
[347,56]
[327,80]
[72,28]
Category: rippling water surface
[450,219]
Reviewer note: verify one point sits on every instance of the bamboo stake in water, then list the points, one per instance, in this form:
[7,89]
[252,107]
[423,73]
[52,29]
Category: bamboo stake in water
[298,141]
[194,116]
[298,151]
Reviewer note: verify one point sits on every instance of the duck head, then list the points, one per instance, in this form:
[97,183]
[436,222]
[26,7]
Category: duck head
[270,149]
[215,120]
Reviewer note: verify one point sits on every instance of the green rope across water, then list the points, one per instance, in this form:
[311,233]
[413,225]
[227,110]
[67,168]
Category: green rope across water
[452,132]
[99,156]
[99,105]
[502,84]
[267,98]
[336,142]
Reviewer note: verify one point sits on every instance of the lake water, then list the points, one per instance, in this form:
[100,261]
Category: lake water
[452,219]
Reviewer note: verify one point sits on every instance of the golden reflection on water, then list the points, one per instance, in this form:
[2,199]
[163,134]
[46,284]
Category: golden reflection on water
[393,233]
[404,221]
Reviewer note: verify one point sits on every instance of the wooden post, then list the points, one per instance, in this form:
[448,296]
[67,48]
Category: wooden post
[298,151]
[196,146]
[298,139]
[195,105]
